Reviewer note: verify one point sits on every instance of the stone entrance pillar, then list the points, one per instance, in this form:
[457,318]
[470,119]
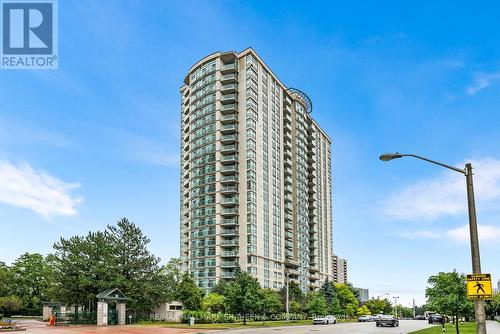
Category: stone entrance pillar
[102,314]
[120,309]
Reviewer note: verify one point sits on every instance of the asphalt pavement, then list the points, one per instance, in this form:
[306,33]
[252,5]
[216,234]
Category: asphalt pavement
[405,326]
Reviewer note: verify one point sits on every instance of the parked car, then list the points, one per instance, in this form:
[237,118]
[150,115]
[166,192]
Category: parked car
[387,320]
[420,317]
[365,318]
[436,319]
[326,320]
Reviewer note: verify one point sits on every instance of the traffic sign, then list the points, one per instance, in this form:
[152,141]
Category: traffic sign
[479,286]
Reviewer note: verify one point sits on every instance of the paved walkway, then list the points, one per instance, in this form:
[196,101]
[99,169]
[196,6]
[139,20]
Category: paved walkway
[37,327]
[493,327]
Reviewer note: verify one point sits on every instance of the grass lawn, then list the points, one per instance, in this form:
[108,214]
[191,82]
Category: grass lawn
[467,328]
[249,324]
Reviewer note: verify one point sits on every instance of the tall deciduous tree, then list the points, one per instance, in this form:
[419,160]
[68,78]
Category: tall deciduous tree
[32,277]
[347,300]
[447,294]
[269,302]
[242,294]
[316,304]
[189,294]
[378,306]
[6,285]
[213,302]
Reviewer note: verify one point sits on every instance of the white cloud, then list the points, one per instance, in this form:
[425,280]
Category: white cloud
[485,232]
[446,195]
[22,186]
[481,81]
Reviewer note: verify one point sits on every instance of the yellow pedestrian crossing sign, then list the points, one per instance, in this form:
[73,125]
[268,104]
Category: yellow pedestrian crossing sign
[479,286]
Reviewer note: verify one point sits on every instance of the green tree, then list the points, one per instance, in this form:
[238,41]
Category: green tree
[294,293]
[117,257]
[220,287]
[378,306]
[347,300]
[6,285]
[447,294]
[32,278]
[269,302]
[213,302]
[189,294]
[242,294]
[316,304]
[363,310]
[139,275]
[172,273]
[295,307]
[10,304]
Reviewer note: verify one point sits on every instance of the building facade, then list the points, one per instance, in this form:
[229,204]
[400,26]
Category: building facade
[339,267]
[364,294]
[256,187]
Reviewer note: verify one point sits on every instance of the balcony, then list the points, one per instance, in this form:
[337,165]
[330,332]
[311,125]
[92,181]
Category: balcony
[227,274]
[312,213]
[230,148]
[292,272]
[229,78]
[229,211]
[229,88]
[229,118]
[230,232]
[288,216]
[228,108]
[229,169]
[229,221]
[232,158]
[228,264]
[287,143]
[288,235]
[292,263]
[229,189]
[288,226]
[232,253]
[229,243]
[228,68]
[313,270]
[229,201]
[228,139]
[228,128]
[229,179]
[228,98]
[313,278]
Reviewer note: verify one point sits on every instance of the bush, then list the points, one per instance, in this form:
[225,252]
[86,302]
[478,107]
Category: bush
[203,317]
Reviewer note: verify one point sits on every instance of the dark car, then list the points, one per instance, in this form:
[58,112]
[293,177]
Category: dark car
[436,319]
[387,320]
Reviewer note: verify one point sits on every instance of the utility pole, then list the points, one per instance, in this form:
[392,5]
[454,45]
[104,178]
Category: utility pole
[474,244]
[287,297]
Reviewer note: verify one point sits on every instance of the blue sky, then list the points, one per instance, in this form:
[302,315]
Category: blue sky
[98,139]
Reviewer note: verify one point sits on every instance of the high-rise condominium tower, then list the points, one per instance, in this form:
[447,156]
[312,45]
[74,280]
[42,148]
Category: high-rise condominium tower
[255,176]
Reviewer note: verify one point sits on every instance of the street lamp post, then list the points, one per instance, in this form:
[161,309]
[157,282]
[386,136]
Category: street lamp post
[396,305]
[287,296]
[474,240]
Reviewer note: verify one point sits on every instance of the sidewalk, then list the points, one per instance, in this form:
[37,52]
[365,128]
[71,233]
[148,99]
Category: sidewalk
[493,327]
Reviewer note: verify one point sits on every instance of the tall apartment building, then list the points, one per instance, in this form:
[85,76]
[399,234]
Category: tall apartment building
[339,268]
[256,187]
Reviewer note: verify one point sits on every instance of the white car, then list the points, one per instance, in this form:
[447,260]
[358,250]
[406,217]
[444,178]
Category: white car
[326,320]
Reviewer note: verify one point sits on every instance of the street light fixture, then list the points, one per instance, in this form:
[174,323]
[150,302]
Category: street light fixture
[396,305]
[474,240]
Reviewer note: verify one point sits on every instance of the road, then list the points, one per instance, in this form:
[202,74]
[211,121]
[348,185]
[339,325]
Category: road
[405,326]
